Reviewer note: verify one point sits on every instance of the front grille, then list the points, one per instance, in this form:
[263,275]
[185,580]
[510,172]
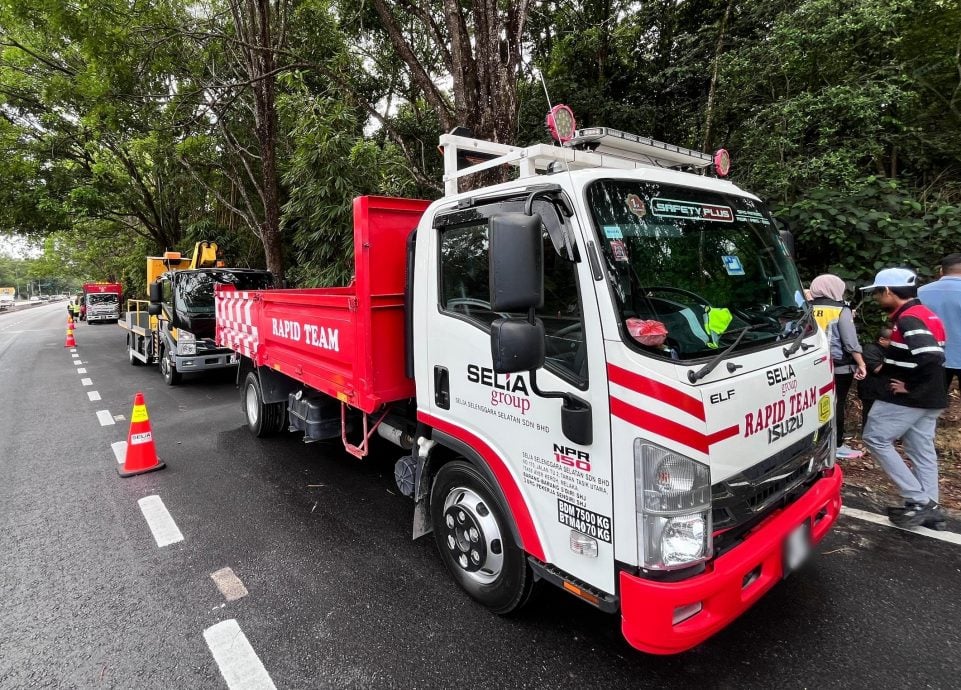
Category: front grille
[741,501]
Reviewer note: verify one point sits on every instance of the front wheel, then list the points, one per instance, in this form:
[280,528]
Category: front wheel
[168,369]
[263,419]
[474,540]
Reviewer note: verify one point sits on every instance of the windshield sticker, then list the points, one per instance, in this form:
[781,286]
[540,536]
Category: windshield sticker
[635,205]
[732,265]
[613,232]
[752,217]
[671,208]
[619,250]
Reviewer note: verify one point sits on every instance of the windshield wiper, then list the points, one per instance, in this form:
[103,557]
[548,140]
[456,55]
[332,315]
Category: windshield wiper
[802,325]
[694,377]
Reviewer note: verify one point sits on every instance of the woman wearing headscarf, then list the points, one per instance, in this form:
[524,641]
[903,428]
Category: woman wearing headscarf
[835,317]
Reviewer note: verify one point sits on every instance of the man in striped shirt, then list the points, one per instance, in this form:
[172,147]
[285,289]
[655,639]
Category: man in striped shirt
[914,399]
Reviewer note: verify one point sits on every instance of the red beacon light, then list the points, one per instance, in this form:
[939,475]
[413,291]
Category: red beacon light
[561,123]
[722,162]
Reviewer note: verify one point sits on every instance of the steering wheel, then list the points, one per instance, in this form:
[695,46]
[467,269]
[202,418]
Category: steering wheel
[469,306]
[687,293]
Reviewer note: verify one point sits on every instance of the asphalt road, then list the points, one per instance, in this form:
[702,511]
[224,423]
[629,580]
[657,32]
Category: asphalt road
[338,594]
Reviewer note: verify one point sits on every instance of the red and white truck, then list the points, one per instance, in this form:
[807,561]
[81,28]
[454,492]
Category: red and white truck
[604,376]
[101,302]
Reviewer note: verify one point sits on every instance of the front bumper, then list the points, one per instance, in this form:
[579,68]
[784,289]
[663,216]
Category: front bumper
[102,317]
[205,361]
[647,606]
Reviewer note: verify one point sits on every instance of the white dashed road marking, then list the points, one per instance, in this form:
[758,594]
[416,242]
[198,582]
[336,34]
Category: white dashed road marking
[72,350]
[81,370]
[950,537]
[119,449]
[93,395]
[238,662]
[163,527]
[229,584]
[105,417]
[86,382]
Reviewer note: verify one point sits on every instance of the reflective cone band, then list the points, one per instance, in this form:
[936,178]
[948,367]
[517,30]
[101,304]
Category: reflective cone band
[141,454]
[70,341]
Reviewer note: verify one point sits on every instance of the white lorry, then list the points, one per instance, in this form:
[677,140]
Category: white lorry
[604,373]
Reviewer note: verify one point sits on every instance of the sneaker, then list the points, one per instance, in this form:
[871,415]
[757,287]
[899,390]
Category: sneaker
[916,515]
[897,511]
[845,452]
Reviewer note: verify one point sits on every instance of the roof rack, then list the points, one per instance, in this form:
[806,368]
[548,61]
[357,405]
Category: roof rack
[593,147]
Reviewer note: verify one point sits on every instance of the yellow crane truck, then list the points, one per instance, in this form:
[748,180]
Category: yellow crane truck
[174,328]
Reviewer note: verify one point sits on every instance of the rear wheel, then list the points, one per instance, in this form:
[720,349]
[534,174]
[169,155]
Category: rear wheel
[168,369]
[474,539]
[263,419]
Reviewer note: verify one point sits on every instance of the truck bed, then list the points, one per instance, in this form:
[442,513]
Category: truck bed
[347,342]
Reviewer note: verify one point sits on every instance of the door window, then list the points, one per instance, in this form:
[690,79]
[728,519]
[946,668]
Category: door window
[465,293]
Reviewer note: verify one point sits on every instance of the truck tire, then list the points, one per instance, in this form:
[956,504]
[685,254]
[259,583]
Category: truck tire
[263,419]
[131,339]
[168,369]
[474,539]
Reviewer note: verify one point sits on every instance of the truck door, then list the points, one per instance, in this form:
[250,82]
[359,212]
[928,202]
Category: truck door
[556,489]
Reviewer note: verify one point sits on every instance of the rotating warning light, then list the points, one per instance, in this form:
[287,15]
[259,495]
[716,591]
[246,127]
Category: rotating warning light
[560,122]
[722,162]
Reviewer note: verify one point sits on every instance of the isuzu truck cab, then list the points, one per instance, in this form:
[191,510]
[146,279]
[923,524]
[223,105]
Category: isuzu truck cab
[604,374]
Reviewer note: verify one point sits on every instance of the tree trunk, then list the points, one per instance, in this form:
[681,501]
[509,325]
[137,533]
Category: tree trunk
[709,115]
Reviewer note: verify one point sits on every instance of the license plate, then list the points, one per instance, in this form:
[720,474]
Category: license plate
[797,548]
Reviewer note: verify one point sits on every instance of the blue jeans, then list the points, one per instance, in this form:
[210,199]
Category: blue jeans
[915,427]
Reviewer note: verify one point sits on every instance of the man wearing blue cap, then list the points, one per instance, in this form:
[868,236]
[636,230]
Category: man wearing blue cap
[914,399]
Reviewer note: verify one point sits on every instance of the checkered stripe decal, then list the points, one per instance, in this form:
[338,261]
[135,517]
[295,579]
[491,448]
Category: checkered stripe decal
[234,326]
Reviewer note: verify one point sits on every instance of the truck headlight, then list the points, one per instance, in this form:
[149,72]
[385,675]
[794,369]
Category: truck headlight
[673,494]
[186,343]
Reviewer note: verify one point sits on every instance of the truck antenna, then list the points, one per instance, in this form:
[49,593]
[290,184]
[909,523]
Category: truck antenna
[550,105]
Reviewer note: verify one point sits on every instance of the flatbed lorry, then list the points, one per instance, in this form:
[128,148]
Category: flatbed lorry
[174,328]
[604,377]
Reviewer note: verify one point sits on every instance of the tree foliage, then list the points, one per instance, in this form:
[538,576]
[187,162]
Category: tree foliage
[136,126]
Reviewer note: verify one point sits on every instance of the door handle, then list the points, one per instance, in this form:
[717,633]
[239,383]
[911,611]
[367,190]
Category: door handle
[442,387]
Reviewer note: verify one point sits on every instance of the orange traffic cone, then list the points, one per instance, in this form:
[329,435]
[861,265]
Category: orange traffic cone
[141,454]
[69,320]
[70,341]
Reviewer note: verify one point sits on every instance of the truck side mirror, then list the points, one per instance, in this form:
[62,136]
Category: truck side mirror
[517,345]
[516,262]
[154,309]
[156,293]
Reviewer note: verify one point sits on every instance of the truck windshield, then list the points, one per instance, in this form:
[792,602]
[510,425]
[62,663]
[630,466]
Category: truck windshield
[692,269]
[102,298]
[195,291]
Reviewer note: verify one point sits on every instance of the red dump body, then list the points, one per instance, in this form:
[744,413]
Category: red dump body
[347,342]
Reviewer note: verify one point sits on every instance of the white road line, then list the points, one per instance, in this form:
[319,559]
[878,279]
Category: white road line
[93,395]
[163,527]
[238,662]
[229,584]
[106,419]
[950,537]
[81,370]
[86,382]
[119,449]
[72,350]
